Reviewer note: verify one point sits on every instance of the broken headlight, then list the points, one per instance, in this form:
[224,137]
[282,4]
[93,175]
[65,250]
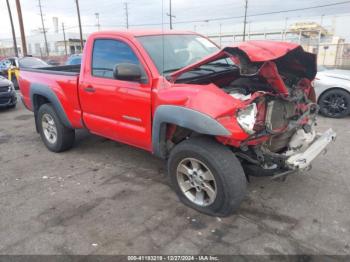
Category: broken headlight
[246,118]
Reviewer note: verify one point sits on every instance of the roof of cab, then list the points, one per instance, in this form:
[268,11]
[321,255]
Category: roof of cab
[142,32]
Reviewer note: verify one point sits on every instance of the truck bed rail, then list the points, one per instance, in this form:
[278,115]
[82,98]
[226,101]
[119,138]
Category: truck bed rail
[71,70]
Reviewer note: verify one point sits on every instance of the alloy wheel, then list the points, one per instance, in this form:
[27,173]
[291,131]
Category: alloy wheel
[49,128]
[334,104]
[196,182]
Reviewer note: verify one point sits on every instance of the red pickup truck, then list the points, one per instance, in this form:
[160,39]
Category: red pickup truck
[216,115]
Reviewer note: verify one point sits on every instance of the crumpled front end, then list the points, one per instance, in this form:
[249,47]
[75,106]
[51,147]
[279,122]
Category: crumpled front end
[301,158]
[272,124]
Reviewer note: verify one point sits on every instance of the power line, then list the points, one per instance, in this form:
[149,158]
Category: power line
[252,15]
[221,18]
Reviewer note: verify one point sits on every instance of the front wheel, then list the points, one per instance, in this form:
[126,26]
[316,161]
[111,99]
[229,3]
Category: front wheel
[54,134]
[207,176]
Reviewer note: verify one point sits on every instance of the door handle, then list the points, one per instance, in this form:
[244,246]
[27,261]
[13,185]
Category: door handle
[89,89]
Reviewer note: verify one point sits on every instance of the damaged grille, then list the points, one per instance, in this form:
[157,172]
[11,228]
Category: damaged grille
[278,115]
[279,142]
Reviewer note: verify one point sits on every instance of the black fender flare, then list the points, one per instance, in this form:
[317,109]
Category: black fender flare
[45,91]
[184,117]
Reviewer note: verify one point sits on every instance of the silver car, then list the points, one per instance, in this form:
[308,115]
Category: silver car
[332,89]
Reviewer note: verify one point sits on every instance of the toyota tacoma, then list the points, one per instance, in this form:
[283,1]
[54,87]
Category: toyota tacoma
[216,115]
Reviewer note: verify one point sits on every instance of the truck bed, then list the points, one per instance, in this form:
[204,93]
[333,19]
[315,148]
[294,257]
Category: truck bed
[71,70]
[59,82]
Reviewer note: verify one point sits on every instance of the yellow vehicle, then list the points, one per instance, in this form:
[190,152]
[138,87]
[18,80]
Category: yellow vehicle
[11,66]
[13,74]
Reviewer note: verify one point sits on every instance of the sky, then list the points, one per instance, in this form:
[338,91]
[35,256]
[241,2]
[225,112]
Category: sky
[152,13]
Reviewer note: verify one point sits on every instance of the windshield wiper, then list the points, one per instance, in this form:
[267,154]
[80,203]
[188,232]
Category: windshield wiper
[220,64]
[201,68]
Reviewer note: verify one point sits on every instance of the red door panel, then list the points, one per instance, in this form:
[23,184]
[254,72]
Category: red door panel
[119,110]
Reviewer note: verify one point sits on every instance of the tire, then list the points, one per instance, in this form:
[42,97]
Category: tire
[12,106]
[229,179]
[335,103]
[64,138]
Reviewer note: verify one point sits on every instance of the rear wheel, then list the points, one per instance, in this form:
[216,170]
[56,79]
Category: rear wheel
[335,103]
[207,176]
[54,134]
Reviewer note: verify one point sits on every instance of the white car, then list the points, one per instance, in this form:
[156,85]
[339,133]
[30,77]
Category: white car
[332,89]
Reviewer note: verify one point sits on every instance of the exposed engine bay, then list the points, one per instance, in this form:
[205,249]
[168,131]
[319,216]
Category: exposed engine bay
[280,108]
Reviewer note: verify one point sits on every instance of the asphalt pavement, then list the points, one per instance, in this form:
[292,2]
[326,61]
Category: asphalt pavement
[103,197]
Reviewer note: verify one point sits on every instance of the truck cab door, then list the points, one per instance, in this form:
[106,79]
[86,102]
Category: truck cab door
[116,109]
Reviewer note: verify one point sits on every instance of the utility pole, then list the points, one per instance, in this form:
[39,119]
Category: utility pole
[245,18]
[80,30]
[64,39]
[98,21]
[44,29]
[126,14]
[285,28]
[171,16]
[220,37]
[321,23]
[320,33]
[248,22]
[13,29]
[21,27]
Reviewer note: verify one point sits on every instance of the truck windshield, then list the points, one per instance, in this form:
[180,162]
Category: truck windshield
[173,52]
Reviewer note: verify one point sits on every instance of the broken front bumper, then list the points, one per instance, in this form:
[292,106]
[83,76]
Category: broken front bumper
[302,160]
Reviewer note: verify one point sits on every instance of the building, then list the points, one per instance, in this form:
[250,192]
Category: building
[56,44]
[36,44]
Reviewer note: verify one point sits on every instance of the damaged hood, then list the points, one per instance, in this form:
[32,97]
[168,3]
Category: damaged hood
[262,51]
[251,55]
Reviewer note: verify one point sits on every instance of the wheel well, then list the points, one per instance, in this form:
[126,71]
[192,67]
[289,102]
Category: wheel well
[331,89]
[184,117]
[38,101]
[175,134]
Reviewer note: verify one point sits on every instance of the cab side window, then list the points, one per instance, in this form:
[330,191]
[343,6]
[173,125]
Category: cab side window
[107,53]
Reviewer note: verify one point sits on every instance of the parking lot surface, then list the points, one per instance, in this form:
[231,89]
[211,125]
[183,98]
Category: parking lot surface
[103,197]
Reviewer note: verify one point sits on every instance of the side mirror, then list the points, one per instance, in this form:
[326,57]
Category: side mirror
[127,72]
